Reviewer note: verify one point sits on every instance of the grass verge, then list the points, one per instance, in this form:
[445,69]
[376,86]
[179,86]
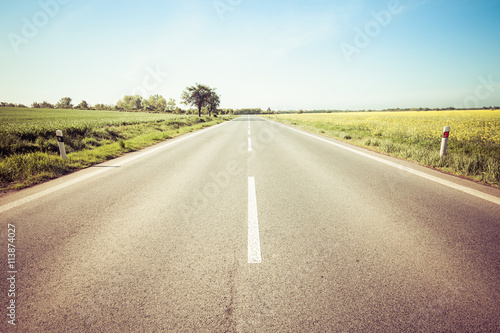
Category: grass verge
[88,147]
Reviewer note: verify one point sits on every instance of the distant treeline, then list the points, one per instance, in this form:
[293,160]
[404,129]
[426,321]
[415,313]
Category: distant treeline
[390,110]
[157,104]
[252,111]
[154,104]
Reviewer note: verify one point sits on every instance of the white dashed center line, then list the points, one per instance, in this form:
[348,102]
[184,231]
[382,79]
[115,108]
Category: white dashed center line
[254,256]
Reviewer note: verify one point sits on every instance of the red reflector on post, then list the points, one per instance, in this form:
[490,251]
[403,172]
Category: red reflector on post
[446,134]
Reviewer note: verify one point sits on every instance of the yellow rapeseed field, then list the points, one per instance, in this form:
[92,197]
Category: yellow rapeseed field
[473,148]
[478,126]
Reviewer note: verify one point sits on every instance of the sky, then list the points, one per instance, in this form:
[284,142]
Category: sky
[285,55]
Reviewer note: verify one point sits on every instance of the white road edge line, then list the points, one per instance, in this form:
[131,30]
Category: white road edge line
[48,191]
[438,180]
[254,256]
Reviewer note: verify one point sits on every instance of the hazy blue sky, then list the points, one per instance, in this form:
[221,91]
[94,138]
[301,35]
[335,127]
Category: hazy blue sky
[294,54]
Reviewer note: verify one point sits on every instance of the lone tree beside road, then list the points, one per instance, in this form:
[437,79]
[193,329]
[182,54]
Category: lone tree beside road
[200,96]
[213,103]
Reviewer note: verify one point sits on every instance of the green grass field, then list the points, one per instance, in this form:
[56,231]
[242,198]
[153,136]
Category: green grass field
[473,148]
[29,151]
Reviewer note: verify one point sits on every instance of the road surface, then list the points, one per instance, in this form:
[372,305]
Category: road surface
[251,226]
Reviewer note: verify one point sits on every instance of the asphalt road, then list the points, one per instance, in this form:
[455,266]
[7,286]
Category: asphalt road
[251,226]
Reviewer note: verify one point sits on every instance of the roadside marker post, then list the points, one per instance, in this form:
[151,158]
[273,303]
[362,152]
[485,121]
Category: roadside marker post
[60,140]
[444,141]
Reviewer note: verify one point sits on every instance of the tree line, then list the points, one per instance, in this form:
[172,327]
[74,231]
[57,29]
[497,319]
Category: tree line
[112,107]
[204,99]
[389,110]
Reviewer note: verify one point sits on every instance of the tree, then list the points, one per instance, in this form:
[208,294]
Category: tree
[64,103]
[35,105]
[104,107]
[196,96]
[155,103]
[171,105]
[83,105]
[130,103]
[213,102]
[46,105]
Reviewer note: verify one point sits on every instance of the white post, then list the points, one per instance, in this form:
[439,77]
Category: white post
[62,150]
[444,141]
